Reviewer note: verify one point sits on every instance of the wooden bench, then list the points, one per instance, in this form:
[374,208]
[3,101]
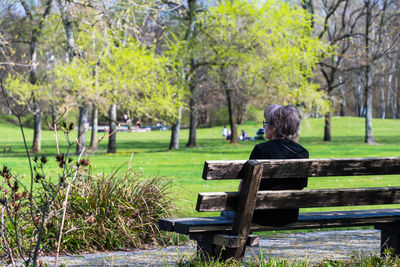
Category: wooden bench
[226,237]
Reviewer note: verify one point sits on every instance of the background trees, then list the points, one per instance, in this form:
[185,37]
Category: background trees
[358,31]
[260,52]
[199,62]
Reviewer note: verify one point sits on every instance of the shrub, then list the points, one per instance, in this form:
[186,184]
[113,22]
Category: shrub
[110,212]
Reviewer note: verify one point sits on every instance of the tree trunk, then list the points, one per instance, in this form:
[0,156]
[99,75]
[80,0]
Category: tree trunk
[193,108]
[327,128]
[343,103]
[174,144]
[368,76]
[95,119]
[383,99]
[37,124]
[358,96]
[382,90]
[82,129]
[193,122]
[392,104]
[241,112]
[190,35]
[234,134]
[112,139]
[37,128]
[53,115]
[369,138]
[68,31]
[391,95]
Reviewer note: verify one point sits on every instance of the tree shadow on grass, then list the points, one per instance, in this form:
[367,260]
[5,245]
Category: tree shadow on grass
[352,140]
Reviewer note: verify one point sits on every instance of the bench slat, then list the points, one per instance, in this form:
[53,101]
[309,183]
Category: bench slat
[295,168]
[311,220]
[170,224]
[289,199]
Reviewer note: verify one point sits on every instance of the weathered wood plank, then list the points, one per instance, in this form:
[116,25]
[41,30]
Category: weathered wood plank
[169,223]
[182,224]
[231,241]
[289,199]
[252,173]
[228,241]
[310,220]
[294,168]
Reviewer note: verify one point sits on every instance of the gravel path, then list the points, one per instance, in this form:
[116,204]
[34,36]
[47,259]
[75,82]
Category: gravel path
[313,247]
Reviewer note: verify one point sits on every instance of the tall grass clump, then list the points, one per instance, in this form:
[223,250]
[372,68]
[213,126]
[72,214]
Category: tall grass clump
[113,212]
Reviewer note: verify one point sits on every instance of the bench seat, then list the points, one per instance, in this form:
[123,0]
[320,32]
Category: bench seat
[309,220]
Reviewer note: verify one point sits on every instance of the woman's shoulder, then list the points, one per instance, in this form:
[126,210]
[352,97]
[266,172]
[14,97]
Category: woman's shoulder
[299,149]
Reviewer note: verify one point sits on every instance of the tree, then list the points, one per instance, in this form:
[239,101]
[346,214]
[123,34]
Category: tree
[338,26]
[254,55]
[375,17]
[37,22]
[142,85]
[75,84]
[64,7]
[25,30]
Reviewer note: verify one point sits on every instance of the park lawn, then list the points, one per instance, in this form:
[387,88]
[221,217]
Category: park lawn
[184,166]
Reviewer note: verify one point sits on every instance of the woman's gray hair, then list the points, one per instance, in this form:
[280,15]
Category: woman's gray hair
[270,109]
[285,120]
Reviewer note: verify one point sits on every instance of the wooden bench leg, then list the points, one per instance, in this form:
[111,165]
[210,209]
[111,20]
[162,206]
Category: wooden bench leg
[390,238]
[205,247]
[251,175]
[237,253]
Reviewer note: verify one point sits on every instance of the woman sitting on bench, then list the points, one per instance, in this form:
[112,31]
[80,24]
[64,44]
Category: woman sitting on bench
[282,125]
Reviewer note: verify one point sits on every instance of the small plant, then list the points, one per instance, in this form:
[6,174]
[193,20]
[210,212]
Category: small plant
[25,210]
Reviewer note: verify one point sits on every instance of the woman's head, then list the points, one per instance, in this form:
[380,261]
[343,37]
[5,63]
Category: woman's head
[282,122]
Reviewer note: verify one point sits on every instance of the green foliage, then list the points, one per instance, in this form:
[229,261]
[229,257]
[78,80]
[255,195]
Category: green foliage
[139,79]
[20,89]
[129,74]
[263,49]
[111,212]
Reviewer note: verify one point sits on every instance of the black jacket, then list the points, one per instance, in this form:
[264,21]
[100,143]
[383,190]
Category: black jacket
[279,149]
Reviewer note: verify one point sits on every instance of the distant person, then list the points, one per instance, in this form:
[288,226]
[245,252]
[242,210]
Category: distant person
[260,134]
[282,127]
[125,119]
[244,136]
[224,132]
[229,136]
[138,125]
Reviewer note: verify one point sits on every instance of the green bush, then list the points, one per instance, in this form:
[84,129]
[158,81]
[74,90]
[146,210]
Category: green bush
[112,212]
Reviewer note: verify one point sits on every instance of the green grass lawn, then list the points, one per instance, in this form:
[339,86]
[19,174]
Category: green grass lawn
[184,166]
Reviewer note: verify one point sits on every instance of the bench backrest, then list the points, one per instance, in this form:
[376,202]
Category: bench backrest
[300,168]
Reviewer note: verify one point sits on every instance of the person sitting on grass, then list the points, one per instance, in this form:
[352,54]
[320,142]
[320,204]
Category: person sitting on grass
[243,136]
[282,127]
